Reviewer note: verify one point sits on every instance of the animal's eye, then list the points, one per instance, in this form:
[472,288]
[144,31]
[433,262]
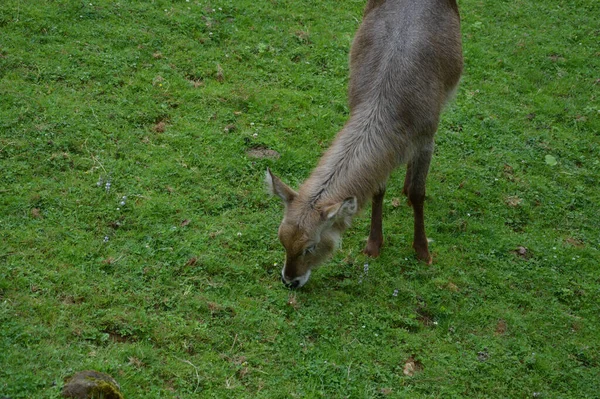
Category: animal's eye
[310,250]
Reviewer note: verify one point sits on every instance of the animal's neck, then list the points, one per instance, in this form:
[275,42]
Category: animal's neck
[356,165]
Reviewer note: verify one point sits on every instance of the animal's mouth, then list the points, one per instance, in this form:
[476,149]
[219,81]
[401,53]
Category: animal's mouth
[295,283]
[292,285]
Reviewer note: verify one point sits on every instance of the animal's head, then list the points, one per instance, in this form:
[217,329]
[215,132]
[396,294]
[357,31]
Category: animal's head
[309,232]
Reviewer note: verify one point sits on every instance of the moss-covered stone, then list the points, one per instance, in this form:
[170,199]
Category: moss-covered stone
[92,384]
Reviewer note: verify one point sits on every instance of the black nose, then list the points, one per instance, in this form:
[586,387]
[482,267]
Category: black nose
[294,284]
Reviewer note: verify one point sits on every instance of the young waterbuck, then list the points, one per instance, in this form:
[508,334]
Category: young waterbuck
[405,63]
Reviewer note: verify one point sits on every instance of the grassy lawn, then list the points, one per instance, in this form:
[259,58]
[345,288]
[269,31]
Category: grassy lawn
[136,237]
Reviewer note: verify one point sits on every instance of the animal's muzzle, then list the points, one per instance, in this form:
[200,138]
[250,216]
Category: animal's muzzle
[291,285]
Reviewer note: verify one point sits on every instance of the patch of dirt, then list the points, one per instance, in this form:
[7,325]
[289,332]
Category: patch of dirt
[501,327]
[160,127]
[513,201]
[192,261]
[577,243]
[262,152]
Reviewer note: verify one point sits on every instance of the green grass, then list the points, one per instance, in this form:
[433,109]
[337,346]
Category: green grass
[176,292]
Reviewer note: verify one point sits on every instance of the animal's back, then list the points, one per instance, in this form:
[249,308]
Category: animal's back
[406,59]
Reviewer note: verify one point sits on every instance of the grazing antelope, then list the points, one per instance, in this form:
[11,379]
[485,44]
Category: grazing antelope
[405,63]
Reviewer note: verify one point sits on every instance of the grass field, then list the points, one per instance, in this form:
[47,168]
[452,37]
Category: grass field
[136,237]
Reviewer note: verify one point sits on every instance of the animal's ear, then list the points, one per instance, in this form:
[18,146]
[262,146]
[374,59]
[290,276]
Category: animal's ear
[279,188]
[341,210]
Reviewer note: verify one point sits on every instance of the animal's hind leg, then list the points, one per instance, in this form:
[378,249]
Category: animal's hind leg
[375,240]
[416,177]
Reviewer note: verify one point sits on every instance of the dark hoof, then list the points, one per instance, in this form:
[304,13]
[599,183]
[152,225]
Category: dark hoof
[372,249]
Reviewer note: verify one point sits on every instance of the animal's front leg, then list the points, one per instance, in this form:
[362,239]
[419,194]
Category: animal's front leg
[375,240]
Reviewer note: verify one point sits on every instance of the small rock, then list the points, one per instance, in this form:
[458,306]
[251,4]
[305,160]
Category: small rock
[522,252]
[412,366]
[91,384]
